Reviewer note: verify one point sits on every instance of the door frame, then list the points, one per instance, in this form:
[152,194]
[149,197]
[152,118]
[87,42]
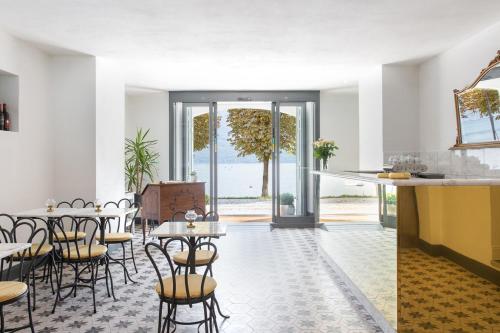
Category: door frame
[276,97]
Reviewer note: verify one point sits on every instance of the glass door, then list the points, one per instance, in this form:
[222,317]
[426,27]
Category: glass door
[293,186]
[228,145]
[193,148]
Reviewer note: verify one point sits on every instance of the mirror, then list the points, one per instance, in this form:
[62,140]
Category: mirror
[478,109]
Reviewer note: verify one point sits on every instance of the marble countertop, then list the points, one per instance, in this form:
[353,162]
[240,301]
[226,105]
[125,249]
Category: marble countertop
[372,178]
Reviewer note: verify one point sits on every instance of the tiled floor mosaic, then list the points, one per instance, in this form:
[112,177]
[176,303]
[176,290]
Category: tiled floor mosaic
[440,296]
[367,255]
[267,281]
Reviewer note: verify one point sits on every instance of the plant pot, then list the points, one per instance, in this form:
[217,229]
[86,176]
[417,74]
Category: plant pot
[324,163]
[287,210]
[138,198]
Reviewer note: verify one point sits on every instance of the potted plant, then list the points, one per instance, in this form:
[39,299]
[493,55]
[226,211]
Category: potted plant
[286,204]
[194,176]
[323,150]
[141,162]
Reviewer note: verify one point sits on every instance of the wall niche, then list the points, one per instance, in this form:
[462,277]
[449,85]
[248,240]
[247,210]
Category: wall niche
[9,95]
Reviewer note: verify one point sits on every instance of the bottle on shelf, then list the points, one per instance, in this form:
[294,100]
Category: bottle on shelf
[6,121]
[2,117]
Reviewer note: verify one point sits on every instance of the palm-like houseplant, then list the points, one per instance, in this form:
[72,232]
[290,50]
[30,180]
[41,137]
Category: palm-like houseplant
[141,161]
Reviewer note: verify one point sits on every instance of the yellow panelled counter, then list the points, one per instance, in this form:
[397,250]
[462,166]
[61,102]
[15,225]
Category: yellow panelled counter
[446,251]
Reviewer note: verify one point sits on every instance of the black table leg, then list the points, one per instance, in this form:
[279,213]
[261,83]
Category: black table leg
[192,266]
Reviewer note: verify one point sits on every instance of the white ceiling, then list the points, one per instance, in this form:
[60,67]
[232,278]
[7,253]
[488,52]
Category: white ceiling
[244,44]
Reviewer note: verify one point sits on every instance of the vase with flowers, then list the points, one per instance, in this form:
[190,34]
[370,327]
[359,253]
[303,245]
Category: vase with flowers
[323,150]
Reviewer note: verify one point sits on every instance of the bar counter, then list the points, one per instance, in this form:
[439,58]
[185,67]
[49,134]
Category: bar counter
[430,262]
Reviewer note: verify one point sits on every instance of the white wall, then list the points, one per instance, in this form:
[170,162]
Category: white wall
[371,119]
[110,131]
[400,99]
[453,69]
[339,121]
[150,111]
[73,103]
[26,157]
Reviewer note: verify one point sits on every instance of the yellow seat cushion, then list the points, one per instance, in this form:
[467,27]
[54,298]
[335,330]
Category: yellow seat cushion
[118,237]
[46,248]
[70,235]
[11,289]
[97,250]
[194,283]
[202,257]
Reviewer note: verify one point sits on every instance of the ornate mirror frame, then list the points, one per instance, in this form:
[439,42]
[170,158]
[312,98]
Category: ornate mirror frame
[459,144]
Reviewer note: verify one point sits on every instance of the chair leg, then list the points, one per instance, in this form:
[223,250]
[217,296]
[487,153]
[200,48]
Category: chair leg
[52,265]
[133,256]
[58,282]
[2,321]
[160,317]
[108,273]
[29,314]
[205,316]
[214,315]
[123,260]
[92,281]
[76,279]
[34,285]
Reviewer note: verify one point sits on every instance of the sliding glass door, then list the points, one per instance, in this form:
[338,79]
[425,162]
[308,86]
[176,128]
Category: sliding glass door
[254,157]
[293,187]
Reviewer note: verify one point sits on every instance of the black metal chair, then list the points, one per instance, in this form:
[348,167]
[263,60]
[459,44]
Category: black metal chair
[202,255]
[89,255]
[25,230]
[14,288]
[184,289]
[117,236]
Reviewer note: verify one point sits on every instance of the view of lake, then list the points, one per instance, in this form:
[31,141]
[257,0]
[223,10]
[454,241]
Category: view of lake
[245,179]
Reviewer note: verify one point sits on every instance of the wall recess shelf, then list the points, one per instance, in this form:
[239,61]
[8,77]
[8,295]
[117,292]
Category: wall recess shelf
[9,94]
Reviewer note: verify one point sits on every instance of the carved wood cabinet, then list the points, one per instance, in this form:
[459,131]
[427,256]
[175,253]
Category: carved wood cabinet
[161,201]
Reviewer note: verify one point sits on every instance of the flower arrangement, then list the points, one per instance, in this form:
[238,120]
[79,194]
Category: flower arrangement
[323,150]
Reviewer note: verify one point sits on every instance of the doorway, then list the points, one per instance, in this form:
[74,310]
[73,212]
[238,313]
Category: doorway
[253,156]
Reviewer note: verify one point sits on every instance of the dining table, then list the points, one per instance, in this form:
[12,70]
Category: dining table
[101,216]
[8,249]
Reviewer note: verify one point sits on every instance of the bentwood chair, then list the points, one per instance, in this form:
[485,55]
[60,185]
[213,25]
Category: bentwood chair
[69,223]
[24,231]
[202,256]
[115,234]
[14,288]
[81,258]
[185,289]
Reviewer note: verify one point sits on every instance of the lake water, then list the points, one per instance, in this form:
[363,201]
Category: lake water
[245,180]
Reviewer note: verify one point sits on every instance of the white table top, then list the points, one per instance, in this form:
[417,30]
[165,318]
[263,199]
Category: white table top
[7,249]
[77,212]
[180,229]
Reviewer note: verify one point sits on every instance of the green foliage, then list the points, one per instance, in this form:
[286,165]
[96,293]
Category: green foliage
[140,160]
[251,134]
[391,199]
[486,102]
[201,131]
[286,199]
[323,149]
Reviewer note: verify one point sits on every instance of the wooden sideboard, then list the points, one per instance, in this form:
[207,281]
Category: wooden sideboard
[161,201]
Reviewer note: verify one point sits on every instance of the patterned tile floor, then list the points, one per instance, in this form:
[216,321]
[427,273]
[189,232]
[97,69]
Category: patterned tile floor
[436,295]
[367,255]
[267,281]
